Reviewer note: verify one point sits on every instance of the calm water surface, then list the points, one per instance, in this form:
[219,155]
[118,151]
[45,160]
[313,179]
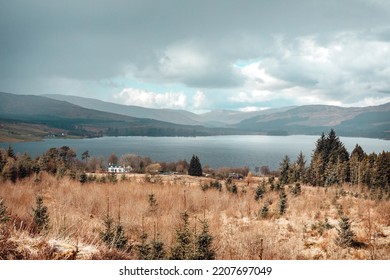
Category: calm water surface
[215,151]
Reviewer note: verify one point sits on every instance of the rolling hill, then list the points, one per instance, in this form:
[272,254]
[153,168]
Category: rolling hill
[26,117]
[371,121]
[216,118]
[53,117]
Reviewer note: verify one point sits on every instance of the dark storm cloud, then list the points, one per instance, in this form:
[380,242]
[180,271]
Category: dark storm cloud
[193,43]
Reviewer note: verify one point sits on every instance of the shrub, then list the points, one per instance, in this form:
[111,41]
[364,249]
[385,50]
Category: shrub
[264,211]
[345,236]
[260,191]
[41,217]
[282,202]
[4,216]
[204,247]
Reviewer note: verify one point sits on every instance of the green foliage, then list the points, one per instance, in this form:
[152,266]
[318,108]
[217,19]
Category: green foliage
[183,249]
[204,248]
[158,251]
[329,163]
[231,186]
[321,227]
[40,215]
[83,178]
[264,211]
[144,249]
[10,152]
[284,170]
[296,189]
[214,184]
[113,235]
[195,168]
[282,202]
[153,250]
[4,215]
[345,236]
[260,191]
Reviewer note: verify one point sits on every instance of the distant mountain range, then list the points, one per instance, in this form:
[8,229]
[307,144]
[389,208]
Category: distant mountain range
[26,117]
[220,118]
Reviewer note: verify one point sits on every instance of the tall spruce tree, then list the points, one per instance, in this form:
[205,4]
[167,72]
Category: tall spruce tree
[195,168]
[330,161]
[284,170]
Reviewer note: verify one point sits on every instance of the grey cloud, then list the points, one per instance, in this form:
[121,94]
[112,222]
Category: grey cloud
[98,40]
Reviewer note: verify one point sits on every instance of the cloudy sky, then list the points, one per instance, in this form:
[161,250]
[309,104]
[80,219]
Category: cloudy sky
[199,55]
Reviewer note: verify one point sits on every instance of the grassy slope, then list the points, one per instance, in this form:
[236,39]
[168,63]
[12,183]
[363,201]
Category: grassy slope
[76,214]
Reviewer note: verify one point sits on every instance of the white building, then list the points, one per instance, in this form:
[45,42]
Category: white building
[119,169]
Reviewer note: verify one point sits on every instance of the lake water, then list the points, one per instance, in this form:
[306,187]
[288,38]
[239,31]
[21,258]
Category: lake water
[215,151]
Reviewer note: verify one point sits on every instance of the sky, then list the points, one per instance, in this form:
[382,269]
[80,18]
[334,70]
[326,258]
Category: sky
[199,55]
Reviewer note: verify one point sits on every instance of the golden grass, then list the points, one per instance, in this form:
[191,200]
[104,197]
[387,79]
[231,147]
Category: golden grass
[76,217]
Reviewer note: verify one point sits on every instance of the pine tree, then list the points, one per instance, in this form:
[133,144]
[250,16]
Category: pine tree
[195,168]
[355,163]
[183,249]
[296,190]
[10,152]
[345,234]
[157,249]
[299,169]
[107,236]
[284,170]
[260,191]
[119,239]
[41,217]
[144,249]
[204,247]
[282,202]
[329,163]
[264,211]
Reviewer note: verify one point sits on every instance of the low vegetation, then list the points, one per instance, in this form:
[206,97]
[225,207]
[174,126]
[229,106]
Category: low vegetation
[53,207]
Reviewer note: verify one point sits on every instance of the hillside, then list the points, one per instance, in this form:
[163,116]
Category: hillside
[313,119]
[166,115]
[216,118]
[54,117]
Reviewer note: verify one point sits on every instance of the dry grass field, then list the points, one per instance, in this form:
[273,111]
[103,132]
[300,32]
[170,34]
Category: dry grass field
[308,229]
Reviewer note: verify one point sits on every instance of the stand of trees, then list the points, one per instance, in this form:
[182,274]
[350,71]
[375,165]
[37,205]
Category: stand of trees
[331,164]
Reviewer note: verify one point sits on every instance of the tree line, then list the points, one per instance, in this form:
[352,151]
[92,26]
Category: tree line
[331,164]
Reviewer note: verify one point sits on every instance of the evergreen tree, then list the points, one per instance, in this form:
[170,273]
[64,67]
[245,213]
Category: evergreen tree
[355,163]
[183,249]
[298,170]
[10,152]
[195,168]
[381,176]
[296,190]
[204,249]
[345,234]
[119,239]
[144,249]
[282,202]
[41,217]
[264,211]
[260,191]
[284,170]
[330,161]
[10,170]
[157,250]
